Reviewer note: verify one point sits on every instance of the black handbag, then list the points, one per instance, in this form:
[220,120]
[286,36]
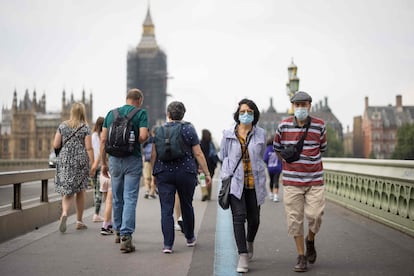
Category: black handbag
[291,153]
[224,193]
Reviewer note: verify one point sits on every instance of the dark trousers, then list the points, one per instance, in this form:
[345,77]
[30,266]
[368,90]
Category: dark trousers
[184,184]
[245,209]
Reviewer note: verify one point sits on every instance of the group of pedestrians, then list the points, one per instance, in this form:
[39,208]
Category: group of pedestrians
[302,178]
[244,152]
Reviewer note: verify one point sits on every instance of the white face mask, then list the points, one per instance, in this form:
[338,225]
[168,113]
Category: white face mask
[301,113]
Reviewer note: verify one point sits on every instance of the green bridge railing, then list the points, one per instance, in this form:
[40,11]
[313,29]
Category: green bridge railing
[380,189]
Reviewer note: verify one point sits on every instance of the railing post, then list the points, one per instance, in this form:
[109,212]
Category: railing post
[17,196]
[44,197]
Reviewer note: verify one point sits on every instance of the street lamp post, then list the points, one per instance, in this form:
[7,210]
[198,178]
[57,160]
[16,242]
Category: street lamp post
[292,86]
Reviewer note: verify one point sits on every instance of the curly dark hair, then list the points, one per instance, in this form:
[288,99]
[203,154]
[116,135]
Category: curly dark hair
[251,105]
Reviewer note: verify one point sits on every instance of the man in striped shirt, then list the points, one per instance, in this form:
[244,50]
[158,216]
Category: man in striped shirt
[303,179]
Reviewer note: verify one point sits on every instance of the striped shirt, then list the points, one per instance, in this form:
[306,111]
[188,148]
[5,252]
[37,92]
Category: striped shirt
[308,170]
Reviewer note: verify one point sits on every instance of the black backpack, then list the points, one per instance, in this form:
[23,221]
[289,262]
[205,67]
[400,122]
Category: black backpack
[117,142]
[169,142]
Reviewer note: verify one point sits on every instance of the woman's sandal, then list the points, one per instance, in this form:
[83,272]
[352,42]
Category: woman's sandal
[62,225]
[80,225]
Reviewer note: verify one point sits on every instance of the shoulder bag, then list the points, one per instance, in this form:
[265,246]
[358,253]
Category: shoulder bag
[291,153]
[57,151]
[224,193]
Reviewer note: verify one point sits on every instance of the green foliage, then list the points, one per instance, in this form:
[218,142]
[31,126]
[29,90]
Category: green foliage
[405,143]
[335,145]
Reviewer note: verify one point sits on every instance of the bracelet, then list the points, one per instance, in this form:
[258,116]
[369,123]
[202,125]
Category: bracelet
[207,175]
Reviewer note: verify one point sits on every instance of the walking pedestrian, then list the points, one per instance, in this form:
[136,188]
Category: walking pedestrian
[210,153]
[149,182]
[178,175]
[125,171]
[274,168]
[73,138]
[241,150]
[303,179]
[106,190]
[96,168]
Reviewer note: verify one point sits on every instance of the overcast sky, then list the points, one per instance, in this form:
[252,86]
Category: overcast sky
[219,51]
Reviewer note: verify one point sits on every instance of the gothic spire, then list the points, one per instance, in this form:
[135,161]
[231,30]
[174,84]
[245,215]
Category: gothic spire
[148,35]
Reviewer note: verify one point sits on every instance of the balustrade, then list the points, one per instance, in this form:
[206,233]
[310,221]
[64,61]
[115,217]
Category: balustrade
[380,189]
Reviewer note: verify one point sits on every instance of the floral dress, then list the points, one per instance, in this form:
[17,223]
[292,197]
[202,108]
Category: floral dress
[72,170]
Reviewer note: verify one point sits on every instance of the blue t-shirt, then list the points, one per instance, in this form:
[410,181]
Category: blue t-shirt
[188,163]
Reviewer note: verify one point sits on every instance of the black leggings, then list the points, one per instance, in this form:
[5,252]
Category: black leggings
[274,181]
[245,209]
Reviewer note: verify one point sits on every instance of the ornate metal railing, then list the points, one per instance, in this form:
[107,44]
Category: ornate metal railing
[380,189]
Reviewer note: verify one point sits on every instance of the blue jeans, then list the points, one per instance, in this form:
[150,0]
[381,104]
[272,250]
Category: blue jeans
[125,176]
[168,184]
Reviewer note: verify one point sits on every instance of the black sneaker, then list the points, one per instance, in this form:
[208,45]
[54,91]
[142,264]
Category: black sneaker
[107,231]
[180,222]
[302,265]
[153,196]
[146,195]
[310,251]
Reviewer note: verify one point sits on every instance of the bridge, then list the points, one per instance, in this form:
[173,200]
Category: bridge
[367,229]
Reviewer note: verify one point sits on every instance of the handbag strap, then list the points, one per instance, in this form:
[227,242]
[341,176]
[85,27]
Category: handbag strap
[238,162]
[72,134]
[302,139]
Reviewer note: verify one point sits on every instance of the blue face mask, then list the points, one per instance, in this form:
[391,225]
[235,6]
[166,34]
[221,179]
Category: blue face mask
[246,118]
[301,113]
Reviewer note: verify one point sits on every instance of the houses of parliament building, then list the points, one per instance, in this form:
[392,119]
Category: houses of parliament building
[27,130]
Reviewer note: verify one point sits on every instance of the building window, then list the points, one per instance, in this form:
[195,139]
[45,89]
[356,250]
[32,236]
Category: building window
[39,145]
[23,145]
[6,146]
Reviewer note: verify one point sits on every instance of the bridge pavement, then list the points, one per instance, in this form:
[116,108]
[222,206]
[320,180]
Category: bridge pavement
[348,244]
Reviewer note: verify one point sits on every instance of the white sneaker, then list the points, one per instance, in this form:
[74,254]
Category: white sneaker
[275,198]
[177,227]
[270,196]
[97,218]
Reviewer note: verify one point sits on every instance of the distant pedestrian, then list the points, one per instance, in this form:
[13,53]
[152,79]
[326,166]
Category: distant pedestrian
[242,149]
[106,190]
[210,153]
[73,167]
[96,168]
[274,168]
[303,179]
[178,175]
[125,172]
[149,182]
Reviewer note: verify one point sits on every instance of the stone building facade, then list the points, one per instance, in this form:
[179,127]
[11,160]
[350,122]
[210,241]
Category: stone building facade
[375,132]
[27,129]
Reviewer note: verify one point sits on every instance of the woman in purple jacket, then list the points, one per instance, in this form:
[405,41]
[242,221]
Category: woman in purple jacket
[245,142]
[274,168]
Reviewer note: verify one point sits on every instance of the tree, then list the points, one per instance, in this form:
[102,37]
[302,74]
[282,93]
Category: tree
[335,146]
[405,143]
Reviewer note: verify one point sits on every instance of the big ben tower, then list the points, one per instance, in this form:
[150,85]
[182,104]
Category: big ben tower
[147,71]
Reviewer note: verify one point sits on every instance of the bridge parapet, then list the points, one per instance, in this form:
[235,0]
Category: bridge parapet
[21,219]
[380,189]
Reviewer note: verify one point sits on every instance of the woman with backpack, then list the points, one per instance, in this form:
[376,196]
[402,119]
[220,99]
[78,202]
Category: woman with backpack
[176,155]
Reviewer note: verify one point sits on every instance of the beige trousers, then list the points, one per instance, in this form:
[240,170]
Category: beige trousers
[301,202]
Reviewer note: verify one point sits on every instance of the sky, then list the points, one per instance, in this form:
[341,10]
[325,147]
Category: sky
[218,52]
